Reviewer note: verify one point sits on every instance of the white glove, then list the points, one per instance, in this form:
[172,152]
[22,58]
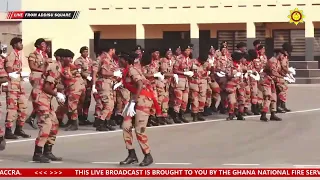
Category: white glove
[255,77]
[261,70]
[61,97]
[223,73]
[79,70]
[249,71]
[238,74]
[188,73]
[117,73]
[211,61]
[287,79]
[208,73]
[117,85]
[176,78]
[129,109]
[25,74]
[26,79]
[94,90]
[292,70]
[220,75]
[89,78]
[246,75]
[159,75]
[14,75]
[5,84]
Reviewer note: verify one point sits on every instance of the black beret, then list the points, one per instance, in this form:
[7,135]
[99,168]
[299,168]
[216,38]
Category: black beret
[154,50]
[277,51]
[223,47]
[59,52]
[68,53]
[246,56]
[241,45]
[183,48]
[138,47]
[167,49]
[256,42]
[252,54]
[211,47]
[38,42]
[260,47]
[84,48]
[178,47]
[15,40]
[236,56]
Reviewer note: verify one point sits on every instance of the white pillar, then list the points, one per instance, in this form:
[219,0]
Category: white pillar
[194,37]
[309,40]
[140,35]
[251,34]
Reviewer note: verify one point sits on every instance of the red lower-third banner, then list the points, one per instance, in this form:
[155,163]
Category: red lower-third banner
[43,14]
[162,172]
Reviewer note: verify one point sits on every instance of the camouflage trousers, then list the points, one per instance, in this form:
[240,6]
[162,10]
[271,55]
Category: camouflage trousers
[198,97]
[75,102]
[143,109]
[16,108]
[106,104]
[282,89]
[84,109]
[48,127]
[163,99]
[181,95]
[122,98]
[98,106]
[247,95]
[254,91]
[268,89]
[213,93]
[236,96]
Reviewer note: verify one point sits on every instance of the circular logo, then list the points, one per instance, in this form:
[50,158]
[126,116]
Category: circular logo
[296,16]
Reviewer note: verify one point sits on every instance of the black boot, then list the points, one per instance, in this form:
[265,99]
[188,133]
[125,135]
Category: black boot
[169,120]
[207,111]
[32,121]
[194,117]
[147,160]
[109,125]
[47,152]
[274,117]
[284,107]
[200,117]
[240,117]
[9,135]
[131,159]
[247,112]
[100,125]
[182,117]
[19,132]
[254,109]
[83,120]
[96,122]
[120,120]
[73,126]
[153,121]
[213,106]
[188,107]
[2,143]
[230,117]
[264,117]
[279,108]
[161,120]
[175,118]
[61,124]
[38,156]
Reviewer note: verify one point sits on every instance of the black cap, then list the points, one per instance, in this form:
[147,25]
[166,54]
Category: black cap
[241,45]
[212,47]
[15,40]
[236,56]
[256,42]
[154,50]
[109,46]
[38,42]
[167,49]
[260,47]
[59,52]
[277,51]
[84,48]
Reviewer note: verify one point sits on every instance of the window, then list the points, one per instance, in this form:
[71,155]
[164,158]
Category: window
[235,37]
[316,42]
[295,37]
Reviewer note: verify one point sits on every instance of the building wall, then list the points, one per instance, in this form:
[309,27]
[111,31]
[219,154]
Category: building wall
[153,17]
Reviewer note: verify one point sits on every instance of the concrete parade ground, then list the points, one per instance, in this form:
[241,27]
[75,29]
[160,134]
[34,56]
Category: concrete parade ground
[217,143]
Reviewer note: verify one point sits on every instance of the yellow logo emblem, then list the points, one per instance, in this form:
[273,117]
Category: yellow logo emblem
[296,16]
